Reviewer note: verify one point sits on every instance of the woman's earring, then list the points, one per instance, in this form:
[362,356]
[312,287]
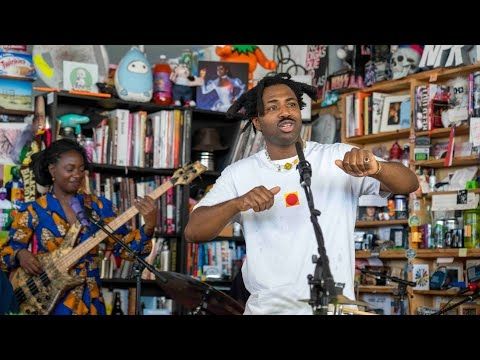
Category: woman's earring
[53,178]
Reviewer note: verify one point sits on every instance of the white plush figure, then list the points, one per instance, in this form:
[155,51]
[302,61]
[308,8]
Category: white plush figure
[134,78]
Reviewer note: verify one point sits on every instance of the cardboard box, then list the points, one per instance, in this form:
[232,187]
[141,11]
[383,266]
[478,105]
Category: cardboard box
[16,64]
[16,94]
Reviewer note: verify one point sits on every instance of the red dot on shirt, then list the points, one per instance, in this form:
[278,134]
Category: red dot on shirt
[292,199]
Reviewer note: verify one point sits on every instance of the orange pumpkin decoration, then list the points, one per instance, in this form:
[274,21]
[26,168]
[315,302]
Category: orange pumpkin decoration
[250,54]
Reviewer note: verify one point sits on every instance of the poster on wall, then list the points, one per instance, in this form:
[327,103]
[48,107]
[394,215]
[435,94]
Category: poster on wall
[13,137]
[80,76]
[317,65]
[224,82]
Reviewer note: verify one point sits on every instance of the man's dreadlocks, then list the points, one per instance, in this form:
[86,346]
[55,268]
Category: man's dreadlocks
[250,104]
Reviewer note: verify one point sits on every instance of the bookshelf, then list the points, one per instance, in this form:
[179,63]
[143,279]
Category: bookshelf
[398,257]
[59,103]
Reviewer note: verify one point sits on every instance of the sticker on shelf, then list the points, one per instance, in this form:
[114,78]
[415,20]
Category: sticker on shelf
[411,254]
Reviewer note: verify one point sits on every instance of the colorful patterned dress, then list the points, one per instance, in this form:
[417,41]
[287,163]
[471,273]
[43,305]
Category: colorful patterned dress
[45,221]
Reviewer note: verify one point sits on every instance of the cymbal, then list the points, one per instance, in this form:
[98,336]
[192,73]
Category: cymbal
[343,300]
[191,293]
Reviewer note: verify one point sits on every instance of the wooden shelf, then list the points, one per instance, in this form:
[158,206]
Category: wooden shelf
[14,77]
[421,253]
[437,292]
[210,113]
[434,75]
[444,132]
[367,224]
[429,195]
[385,254]
[376,289]
[15,112]
[136,170]
[131,170]
[434,253]
[442,74]
[389,86]
[460,161]
[374,138]
[149,287]
[114,103]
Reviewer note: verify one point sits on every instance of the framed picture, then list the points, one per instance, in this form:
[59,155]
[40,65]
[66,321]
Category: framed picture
[469,309]
[421,276]
[16,94]
[224,82]
[80,76]
[391,112]
[398,237]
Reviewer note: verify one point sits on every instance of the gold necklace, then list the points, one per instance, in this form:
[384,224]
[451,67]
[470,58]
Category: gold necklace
[287,166]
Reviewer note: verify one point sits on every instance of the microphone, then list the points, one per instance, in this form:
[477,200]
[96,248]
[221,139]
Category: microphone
[303,165]
[79,211]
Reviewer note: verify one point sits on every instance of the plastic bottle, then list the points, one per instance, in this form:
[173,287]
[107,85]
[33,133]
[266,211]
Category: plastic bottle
[162,85]
[471,228]
[165,257]
[432,180]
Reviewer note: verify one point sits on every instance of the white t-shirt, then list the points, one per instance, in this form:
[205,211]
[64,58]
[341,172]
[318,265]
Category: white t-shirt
[280,241]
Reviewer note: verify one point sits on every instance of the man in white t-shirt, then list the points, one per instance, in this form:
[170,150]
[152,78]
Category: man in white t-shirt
[263,194]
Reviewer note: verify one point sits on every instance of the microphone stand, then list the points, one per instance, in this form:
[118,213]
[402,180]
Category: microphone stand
[138,266]
[401,293]
[322,285]
[472,297]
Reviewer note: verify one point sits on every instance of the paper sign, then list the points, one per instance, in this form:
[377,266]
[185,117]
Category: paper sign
[449,202]
[475,131]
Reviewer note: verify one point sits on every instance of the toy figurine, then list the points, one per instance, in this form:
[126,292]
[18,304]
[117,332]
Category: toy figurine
[395,152]
[183,84]
[134,78]
[73,120]
[250,54]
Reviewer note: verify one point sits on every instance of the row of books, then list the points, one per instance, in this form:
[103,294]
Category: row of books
[213,260]
[163,257]
[150,305]
[372,113]
[155,140]
[123,191]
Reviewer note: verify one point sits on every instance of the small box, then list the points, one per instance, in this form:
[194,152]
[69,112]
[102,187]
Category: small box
[421,153]
[16,94]
[16,64]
